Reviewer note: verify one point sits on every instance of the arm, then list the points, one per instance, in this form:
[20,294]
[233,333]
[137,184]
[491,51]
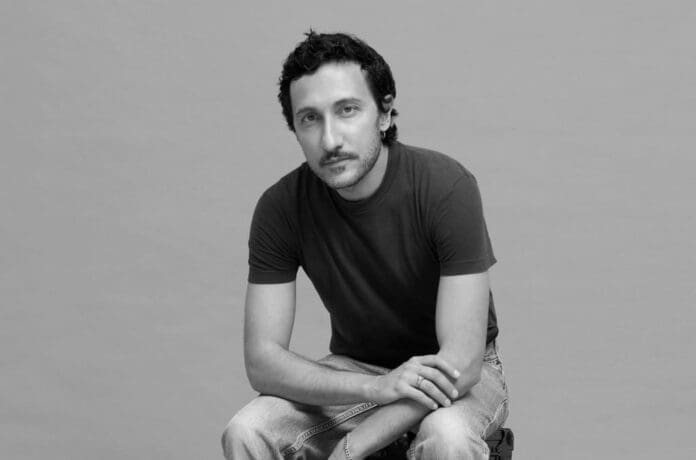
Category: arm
[461,323]
[273,369]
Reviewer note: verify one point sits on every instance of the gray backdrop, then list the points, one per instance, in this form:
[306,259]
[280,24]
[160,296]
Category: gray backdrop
[136,137]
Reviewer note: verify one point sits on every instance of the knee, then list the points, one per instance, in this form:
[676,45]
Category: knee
[240,439]
[443,434]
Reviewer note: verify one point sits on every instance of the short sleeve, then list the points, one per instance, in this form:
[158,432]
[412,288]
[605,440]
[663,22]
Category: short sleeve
[459,231]
[272,248]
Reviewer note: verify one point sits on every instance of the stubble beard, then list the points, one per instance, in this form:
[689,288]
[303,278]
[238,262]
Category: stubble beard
[365,165]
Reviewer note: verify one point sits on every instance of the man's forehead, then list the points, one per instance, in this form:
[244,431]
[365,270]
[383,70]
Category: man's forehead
[329,83]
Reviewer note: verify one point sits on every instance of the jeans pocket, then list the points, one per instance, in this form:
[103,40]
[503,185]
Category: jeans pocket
[492,358]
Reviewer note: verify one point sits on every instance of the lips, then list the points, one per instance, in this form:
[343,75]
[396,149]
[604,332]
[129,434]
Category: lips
[335,161]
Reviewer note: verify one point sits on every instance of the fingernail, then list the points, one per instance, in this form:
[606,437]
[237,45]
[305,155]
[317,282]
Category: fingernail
[448,402]
[434,406]
[456,373]
[455,393]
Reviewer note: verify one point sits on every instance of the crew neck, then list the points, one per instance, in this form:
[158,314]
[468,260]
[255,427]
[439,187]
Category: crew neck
[365,204]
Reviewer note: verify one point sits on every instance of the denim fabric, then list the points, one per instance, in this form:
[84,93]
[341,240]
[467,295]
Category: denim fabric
[459,431]
[274,428]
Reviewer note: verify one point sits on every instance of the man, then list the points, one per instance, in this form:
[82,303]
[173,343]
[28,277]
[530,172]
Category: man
[393,239]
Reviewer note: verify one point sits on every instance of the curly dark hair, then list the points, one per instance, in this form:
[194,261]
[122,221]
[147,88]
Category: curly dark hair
[318,49]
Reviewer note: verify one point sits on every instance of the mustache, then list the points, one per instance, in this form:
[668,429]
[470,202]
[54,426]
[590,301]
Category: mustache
[335,156]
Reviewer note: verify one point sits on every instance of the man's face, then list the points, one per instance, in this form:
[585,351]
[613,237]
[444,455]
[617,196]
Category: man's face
[337,124]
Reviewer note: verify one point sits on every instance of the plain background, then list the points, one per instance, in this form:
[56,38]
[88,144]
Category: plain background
[136,137]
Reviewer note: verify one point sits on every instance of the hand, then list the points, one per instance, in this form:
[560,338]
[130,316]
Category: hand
[425,379]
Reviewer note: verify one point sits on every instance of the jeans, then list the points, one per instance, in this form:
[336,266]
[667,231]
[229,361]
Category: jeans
[270,427]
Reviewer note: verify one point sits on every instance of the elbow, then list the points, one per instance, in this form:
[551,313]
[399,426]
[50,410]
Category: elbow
[469,367]
[255,371]
[255,379]
[259,380]
[469,375]
[468,379]
[472,379]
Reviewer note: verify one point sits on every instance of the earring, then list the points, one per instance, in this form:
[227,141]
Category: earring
[383,134]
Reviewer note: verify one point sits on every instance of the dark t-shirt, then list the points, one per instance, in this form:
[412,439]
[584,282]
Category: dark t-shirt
[376,263]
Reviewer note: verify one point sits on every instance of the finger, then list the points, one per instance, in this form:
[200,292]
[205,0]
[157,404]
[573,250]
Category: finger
[441,380]
[439,363]
[420,397]
[430,389]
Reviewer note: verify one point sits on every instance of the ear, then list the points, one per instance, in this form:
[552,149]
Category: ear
[385,115]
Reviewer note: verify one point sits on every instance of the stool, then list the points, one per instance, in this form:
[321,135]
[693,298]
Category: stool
[501,443]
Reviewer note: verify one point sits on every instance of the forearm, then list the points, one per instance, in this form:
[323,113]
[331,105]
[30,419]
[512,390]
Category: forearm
[277,371]
[384,426]
[389,422]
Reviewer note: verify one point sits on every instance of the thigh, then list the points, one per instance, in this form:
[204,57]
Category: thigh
[298,430]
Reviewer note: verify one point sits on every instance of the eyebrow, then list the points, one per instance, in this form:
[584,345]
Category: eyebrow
[345,100]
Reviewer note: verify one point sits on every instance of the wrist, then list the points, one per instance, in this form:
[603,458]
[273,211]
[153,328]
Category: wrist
[368,388]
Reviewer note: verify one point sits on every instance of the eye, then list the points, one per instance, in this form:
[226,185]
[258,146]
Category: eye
[349,110]
[309,118]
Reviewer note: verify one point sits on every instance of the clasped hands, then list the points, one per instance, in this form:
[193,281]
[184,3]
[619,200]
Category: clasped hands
[428,380]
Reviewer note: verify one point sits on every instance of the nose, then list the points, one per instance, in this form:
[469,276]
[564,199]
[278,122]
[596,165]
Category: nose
[331,138]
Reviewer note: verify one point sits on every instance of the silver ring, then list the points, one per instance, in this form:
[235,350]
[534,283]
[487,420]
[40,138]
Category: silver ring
[419,381]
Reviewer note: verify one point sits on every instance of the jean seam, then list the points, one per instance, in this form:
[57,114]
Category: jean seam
[497,364]
[495,417]
[478,439]
[502,367]
[326,426]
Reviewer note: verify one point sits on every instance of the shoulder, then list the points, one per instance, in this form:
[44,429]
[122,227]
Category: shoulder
[435,171]
[284,193]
